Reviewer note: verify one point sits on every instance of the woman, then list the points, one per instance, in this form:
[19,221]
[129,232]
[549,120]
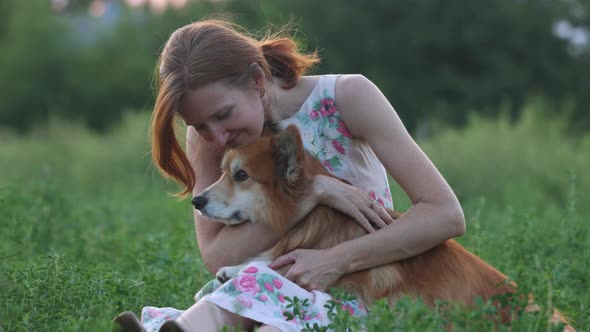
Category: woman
[227,87]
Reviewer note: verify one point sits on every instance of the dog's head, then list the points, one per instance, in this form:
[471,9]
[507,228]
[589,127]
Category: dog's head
[260,182]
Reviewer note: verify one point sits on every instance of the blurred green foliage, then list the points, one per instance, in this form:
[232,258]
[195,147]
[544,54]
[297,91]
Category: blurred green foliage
[538,144]
[490,92]
[432,59]
[89,229]
[443,59]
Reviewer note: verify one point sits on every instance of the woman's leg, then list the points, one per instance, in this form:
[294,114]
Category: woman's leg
[268,328]
[205,316]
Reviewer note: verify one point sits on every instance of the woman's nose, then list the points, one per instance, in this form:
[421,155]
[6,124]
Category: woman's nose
[215,135]
[219,136]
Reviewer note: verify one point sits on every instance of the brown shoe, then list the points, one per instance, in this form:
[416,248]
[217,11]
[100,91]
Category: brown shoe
[171,326]
[128,322]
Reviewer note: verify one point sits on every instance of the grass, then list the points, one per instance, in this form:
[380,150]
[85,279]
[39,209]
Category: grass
[89,229]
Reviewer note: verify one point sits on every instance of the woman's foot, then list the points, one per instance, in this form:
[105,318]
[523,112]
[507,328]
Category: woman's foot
[171,326]
[128,322]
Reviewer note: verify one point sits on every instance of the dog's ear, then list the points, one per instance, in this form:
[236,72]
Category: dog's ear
[289,156]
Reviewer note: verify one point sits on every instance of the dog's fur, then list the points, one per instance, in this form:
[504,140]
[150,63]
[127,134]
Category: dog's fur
[264,182]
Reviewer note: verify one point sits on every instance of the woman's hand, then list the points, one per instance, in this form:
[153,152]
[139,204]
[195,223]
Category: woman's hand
[351,201]
[312,269]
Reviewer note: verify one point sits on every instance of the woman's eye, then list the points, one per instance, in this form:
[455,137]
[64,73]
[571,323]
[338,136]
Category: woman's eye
[240,176]
[224,115]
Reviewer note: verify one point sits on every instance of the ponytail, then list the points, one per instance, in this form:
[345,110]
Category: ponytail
[285,61]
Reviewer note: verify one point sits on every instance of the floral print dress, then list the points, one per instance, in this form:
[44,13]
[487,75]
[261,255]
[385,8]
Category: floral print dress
[260,293]
[326,136]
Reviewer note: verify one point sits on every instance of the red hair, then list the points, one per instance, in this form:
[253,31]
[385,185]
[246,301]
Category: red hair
[205,52]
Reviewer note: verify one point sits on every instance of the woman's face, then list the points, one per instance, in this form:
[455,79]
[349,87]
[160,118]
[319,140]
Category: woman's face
[225,115]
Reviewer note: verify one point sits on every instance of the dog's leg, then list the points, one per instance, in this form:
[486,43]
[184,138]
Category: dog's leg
[227,272]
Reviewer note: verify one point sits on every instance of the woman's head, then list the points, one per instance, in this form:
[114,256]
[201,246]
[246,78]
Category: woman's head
[213,77]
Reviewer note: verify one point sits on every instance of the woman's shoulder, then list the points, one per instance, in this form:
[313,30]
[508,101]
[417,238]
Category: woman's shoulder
[349,86]
[360,102]
[342,86]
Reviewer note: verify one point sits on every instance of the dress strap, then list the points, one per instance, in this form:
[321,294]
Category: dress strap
[327,85]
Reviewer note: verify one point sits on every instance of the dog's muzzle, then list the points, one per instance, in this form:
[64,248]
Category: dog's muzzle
[199,202]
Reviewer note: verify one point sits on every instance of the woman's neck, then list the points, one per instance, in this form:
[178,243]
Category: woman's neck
[284,103]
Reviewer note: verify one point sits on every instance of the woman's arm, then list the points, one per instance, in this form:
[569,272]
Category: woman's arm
[435,216]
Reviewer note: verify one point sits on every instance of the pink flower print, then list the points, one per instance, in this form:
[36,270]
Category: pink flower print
[247,284]
[361,306]
[387,194]
[244,300]
[263,298]
[372,194]
[343,130]
[380,201]
[251,269]
[338,146]
[278,283]
[327,111]
[328,166]
[349,308]
[155,313]
[328,108]
[268,287]
[314,115]
[281,298]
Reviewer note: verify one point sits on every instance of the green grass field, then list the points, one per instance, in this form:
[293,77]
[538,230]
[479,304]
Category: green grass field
[89,228]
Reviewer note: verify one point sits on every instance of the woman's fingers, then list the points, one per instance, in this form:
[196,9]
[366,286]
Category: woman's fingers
[284,260]
[376,213]
[354,202]
[375,217]
[383,214]
[362,220]
[370,216]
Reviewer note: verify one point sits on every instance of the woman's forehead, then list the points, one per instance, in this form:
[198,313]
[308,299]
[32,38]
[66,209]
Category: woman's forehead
[202,102]
[210,94]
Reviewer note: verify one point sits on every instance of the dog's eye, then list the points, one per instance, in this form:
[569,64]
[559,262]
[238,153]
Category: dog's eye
[240,176]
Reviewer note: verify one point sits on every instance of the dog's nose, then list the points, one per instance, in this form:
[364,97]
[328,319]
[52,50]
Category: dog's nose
[199,202]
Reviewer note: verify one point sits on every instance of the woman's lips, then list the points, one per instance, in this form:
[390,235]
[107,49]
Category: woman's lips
[232,142]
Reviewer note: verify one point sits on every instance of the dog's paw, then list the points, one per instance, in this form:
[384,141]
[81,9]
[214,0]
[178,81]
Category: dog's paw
[227,272]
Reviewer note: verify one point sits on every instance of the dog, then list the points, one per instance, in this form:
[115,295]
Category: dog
[265,181]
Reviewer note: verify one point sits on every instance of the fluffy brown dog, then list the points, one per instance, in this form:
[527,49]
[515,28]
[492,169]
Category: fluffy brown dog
[264,182]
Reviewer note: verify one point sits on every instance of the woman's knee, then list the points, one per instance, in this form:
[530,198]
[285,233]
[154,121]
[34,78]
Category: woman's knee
[206,315]
[268,328]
